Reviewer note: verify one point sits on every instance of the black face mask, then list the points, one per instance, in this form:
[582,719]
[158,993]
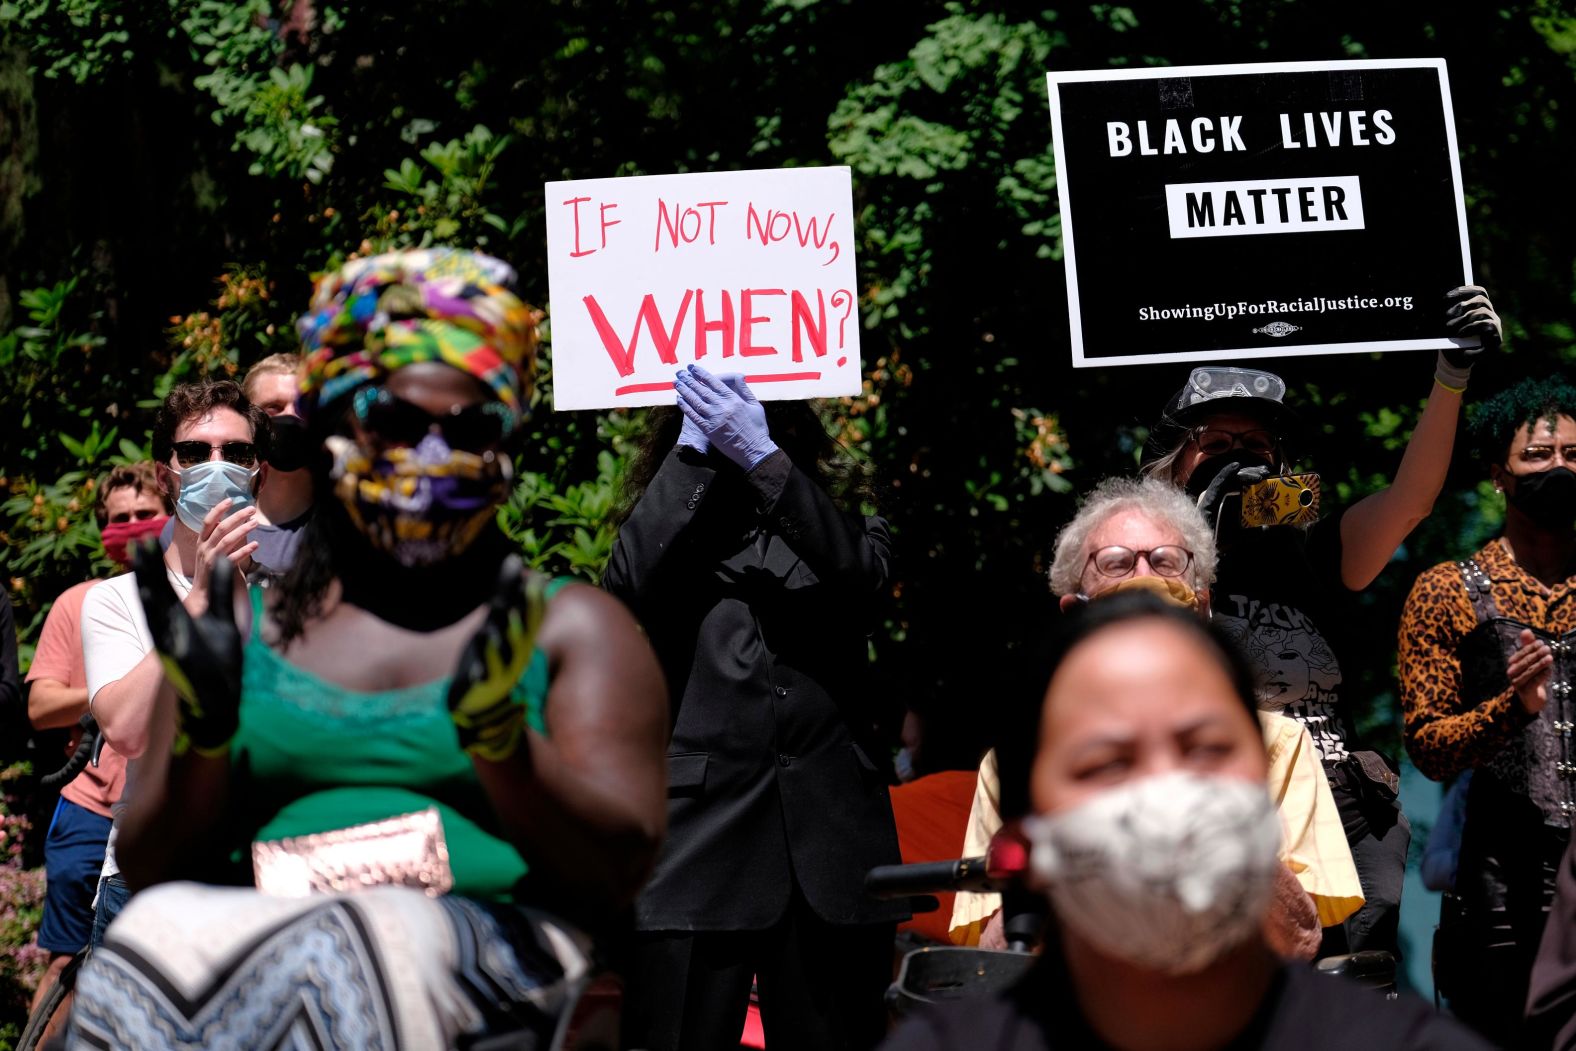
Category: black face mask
[1548,498]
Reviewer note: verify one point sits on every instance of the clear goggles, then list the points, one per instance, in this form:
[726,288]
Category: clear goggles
[1228,381]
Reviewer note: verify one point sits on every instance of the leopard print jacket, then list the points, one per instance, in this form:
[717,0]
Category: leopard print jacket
[1458,709]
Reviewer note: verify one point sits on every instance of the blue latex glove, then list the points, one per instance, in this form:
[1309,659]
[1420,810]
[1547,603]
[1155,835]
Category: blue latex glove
[727,413]
[690,433]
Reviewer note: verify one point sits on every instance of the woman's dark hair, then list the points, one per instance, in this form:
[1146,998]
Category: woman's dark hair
[1020,738]
[1493,425]
[796,428]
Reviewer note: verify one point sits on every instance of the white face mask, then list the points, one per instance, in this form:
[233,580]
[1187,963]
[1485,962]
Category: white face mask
[204,484]
[1167,873]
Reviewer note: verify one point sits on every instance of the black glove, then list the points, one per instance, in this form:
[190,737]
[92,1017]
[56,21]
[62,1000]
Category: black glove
[201,657]
[1469,313]
[481,697]
[1229,479]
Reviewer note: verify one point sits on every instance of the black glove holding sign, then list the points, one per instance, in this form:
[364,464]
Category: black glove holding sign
[201,656]
[1468,315]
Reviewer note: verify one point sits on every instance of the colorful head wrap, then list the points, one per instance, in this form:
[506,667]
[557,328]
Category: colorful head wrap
[376,315]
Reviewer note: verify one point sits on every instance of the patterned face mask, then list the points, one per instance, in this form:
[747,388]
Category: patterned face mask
[1168,872]
[419,504]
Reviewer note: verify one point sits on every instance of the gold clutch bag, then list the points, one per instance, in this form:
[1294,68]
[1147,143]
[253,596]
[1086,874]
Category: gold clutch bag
[405,851]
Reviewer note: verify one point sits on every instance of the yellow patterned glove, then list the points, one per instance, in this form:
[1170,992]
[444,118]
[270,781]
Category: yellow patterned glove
[489,721]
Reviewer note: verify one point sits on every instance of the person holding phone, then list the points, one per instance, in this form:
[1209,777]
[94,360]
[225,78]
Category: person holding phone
[1280,590]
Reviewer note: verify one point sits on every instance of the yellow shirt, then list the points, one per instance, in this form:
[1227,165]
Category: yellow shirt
[1313,843]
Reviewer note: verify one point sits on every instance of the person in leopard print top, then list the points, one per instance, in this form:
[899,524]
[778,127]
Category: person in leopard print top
[1487,658]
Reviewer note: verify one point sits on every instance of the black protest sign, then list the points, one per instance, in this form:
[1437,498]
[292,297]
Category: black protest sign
[1264,210]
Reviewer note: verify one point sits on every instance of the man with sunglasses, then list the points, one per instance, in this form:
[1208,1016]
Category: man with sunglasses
[1145,535]
[208,444]
[1285,591]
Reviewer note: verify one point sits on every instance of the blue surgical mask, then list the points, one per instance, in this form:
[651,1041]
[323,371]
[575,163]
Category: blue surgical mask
[205,484]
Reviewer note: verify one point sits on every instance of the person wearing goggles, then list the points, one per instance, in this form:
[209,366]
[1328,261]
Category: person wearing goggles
[1280,590]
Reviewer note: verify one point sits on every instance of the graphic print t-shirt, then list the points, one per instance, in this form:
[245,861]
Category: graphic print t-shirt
[1278,594]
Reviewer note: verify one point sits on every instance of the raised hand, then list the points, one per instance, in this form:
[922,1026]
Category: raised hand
[489,721]
[223,539]
[728,413]
[1468,313]
[201,655]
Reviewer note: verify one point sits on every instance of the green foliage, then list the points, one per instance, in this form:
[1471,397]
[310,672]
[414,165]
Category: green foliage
[277,119]
[442,197]
[79,40]
[568,527]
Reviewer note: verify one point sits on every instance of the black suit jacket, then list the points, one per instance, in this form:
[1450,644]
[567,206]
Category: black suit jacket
[758,595]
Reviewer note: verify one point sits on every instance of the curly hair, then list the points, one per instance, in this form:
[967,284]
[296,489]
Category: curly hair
[1493,425]
[1157,500]
[191,401]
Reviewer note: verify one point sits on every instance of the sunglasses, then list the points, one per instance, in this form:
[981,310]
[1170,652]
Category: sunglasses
[469,428]
[1214,442]
[190,454]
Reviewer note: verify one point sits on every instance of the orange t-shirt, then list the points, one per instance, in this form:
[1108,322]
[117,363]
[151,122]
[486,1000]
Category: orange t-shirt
[932,814]
[59,657]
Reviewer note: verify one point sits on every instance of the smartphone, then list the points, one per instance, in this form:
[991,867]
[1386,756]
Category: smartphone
[1286,499]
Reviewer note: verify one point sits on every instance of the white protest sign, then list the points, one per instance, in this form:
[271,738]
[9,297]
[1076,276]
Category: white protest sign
[749,272]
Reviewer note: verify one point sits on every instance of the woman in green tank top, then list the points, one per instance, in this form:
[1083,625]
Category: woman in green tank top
[444,769]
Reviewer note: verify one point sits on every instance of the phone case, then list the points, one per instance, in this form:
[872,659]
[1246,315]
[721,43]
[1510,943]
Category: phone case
[1288,499]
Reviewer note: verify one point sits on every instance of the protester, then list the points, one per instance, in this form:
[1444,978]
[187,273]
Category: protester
[528,780]
[131,506]
[1145,535]
[1154,839]
[758,590]
[1283,590]
[285,505]
[1486,668]
[208,443]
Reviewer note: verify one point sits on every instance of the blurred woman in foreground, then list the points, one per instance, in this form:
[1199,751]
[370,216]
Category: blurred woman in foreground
[1155,840]
[437,769]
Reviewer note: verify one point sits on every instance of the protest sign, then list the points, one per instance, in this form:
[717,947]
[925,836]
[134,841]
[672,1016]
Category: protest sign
[1259,210]
[749,272]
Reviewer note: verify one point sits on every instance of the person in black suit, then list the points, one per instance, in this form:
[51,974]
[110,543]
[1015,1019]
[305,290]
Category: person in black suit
[758,592]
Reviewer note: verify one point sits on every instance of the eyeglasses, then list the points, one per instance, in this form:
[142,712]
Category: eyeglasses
[470,428]
[1213,442]
[190,454]
[1168,560]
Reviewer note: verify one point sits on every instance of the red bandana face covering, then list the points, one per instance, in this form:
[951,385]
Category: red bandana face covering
[120,537]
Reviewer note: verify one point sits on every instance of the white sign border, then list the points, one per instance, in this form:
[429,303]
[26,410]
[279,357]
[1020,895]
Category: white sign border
[1053,78]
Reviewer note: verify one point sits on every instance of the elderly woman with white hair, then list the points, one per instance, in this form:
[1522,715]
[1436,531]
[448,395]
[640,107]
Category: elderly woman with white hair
[1143,534]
